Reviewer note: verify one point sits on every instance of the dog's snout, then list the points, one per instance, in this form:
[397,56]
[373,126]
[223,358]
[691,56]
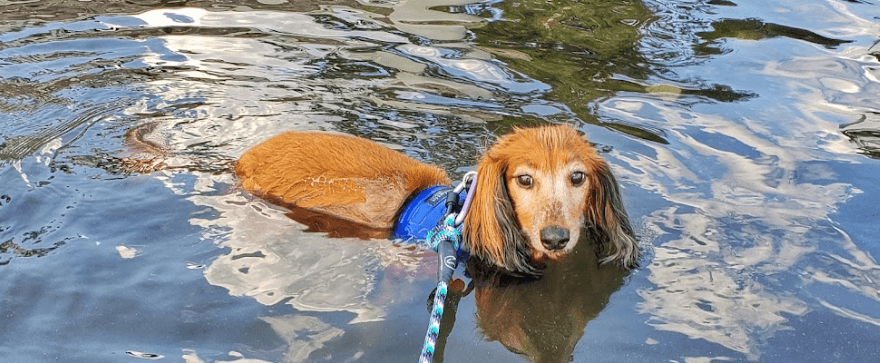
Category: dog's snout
[554,238]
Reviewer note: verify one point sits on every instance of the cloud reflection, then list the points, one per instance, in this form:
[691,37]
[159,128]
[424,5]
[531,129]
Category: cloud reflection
[749,224]
[297,74]
[272,260]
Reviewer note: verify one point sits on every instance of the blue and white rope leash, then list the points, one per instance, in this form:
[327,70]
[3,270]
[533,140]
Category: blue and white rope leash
[446,239]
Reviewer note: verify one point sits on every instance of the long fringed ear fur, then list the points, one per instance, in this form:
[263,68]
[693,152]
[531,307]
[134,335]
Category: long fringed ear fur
[606,211]
[491,232]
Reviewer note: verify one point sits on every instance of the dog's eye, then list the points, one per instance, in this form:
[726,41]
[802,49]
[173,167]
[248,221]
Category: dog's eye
[524,181]
[577,178]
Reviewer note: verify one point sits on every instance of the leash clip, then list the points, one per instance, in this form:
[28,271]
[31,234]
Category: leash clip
[468,181]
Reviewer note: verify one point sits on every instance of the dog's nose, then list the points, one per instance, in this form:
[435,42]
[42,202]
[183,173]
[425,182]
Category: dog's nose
[554,238]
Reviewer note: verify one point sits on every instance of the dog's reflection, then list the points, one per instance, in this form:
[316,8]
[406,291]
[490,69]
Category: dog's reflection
[542,320]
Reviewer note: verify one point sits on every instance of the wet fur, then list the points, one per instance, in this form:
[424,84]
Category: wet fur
[360,181]
[346,177]
[495,230]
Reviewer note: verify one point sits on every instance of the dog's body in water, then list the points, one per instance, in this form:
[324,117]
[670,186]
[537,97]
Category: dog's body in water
[537,190]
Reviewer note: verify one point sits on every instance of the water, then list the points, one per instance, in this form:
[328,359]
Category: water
[744,133]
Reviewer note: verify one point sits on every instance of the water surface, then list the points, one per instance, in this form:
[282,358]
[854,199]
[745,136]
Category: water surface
[744,134]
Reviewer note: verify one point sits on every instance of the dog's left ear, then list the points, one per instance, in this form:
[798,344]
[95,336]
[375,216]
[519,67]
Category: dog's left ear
[491,232]
[607,212]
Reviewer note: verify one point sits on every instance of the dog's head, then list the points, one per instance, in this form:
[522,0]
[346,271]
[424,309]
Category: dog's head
[537,190]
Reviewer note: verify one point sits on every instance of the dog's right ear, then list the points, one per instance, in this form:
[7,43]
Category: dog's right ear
[609,215]
[491,231]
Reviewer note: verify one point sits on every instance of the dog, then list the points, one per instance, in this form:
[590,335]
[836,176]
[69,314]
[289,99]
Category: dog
[537,190]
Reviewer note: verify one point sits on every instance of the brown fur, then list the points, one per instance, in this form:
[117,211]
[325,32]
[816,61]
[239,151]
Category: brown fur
[505,221]
[351,178]
[359,181]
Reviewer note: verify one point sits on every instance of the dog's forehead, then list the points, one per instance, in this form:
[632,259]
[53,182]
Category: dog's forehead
[548,148]
[548,158]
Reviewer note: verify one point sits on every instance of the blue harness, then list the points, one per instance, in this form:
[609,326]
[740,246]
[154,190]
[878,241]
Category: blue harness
[423,213]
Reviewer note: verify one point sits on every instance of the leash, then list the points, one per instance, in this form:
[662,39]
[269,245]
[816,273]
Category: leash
[446,239]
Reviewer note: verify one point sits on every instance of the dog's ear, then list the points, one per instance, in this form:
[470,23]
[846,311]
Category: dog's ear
[608,214]
[491,231]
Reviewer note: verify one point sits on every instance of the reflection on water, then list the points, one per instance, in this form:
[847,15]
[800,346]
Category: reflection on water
[744,135]
[271,260]
[753,194]
[864,133]
[543,320]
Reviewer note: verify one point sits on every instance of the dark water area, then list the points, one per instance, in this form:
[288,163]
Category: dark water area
[745,135]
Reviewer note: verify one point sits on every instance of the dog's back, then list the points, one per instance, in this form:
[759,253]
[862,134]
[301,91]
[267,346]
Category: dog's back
[350,178]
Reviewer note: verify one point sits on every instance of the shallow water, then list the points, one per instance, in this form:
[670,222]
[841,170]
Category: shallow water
[744,134]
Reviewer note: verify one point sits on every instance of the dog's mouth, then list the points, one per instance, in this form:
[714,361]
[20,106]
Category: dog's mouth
[541,256]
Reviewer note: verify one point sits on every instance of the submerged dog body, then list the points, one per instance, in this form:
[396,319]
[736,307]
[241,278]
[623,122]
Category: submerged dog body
[346,177]
[537,189]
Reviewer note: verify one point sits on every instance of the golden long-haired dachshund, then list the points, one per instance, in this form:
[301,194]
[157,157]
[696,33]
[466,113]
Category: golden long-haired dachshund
[537,190]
